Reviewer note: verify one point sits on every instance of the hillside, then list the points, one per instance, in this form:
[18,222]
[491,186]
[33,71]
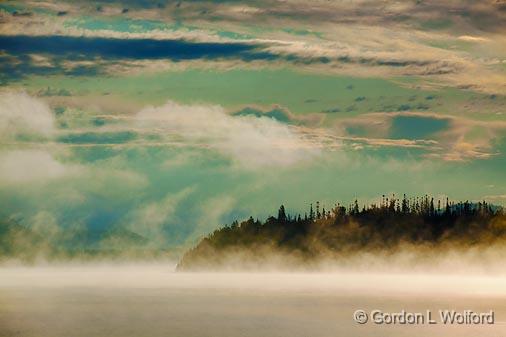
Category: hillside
[342,231]
[30,243]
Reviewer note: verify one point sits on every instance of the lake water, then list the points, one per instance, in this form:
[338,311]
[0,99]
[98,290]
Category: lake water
[153,300]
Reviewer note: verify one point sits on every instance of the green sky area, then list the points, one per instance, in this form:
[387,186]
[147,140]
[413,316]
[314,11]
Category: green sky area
[300,92]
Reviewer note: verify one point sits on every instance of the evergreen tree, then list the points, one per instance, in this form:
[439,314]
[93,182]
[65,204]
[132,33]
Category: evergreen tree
[355,207]
[282,214]
[405,205]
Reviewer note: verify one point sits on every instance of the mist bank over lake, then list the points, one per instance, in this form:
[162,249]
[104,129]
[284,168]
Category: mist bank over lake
[159,276]
[152,300]
[426,259]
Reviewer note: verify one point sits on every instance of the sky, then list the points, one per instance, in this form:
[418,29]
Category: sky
[169,119]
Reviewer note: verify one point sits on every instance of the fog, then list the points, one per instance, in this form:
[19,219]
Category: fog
[160,276]
[154,300]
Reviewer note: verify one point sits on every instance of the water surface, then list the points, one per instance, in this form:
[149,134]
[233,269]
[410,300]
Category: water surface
[155,301]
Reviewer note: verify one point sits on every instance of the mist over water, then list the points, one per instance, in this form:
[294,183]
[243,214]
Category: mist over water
[162,276]
[153,300]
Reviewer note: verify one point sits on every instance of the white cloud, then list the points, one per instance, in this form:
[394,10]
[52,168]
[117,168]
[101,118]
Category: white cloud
[148,220]
[248,140]
[499,198]
[22,114]
[27,166]
[212,210]
[472,38]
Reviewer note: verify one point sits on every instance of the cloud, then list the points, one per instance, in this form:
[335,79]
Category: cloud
[248,140]
[470,38]
[499,198]
[181,159]
[45,224]
[84,48]
[212,212]
[365,38]
[28,166]
[150,218]
[445,137]
[21,114]
[278,113]
[87,56]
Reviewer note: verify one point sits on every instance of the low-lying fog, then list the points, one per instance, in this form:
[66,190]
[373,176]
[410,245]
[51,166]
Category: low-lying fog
[162,276]
[153,300]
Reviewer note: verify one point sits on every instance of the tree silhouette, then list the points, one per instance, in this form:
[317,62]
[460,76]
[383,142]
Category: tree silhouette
[282,214]
[343,230]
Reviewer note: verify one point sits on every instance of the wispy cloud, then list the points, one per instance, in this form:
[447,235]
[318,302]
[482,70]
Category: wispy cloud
[150,219]
[23,115]
[447,138]
[250,141]
[387,38]
[32,166]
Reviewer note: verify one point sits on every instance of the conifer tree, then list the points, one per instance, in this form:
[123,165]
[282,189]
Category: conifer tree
[355,207]
[405,207]
[282,214]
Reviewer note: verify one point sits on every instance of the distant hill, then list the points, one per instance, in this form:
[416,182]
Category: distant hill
[342,231]
[76,242]
[15,239]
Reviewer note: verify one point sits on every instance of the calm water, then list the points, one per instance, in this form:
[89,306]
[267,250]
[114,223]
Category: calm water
[155,301]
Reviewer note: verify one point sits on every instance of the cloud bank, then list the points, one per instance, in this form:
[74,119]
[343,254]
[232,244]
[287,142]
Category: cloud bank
[22,115]
[29,166]
[248,140]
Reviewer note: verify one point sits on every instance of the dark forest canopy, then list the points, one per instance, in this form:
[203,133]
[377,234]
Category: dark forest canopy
[335,233]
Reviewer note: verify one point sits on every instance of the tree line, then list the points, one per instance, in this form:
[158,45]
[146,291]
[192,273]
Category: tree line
[342,229]
[416,206]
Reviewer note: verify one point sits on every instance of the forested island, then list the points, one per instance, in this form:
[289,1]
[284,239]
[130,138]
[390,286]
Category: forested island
[338,233]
